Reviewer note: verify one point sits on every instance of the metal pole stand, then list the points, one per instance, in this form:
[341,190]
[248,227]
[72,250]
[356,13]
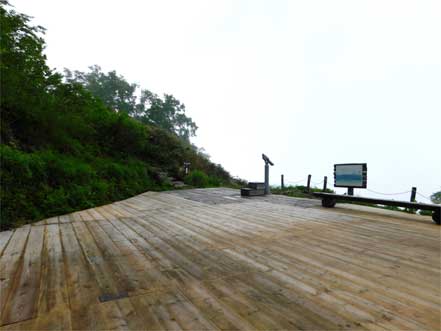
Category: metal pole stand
[267,188]
[267,164]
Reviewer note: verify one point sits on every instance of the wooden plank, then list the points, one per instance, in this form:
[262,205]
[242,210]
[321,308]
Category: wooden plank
[82,288]
[135,260]
[106,278]
[127,267]
[22,303]
[20,326]
[209,305]
[52,220]
[11,264]
[53,305]
[4,240]
[208,259]
[362,278]
[120,315]
[110,275]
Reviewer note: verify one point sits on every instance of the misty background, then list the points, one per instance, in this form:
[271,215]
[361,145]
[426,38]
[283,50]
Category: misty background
[309,83]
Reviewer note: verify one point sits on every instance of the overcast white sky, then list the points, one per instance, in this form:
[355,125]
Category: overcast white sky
[310,83]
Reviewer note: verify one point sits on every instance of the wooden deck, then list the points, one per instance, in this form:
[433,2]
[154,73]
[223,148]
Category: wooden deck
[208,259]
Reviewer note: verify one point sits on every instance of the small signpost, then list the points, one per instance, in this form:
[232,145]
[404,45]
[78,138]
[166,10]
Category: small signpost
[350,175]
[186,168]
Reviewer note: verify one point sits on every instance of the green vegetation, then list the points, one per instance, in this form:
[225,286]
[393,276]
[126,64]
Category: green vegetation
[297,191]
[436,197]
[65,149]
[198,178]
[117,94]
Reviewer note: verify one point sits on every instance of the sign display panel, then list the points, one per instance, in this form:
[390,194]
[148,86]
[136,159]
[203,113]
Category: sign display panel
[350,175]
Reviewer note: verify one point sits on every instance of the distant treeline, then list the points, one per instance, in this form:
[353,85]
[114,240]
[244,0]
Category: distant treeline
[117,94]
[73,141]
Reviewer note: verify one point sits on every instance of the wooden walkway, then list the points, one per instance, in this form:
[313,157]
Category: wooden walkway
[208,260]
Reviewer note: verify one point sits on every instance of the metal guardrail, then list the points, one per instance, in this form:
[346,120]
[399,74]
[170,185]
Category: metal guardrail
[329,200]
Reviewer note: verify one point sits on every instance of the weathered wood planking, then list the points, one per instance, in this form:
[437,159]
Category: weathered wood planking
[208,259]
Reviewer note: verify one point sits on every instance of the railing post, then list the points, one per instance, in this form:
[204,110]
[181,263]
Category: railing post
[325,183]
[282,182]
[413,194]
[308,186]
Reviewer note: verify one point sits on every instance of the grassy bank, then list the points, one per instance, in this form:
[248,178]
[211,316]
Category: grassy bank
[64,149]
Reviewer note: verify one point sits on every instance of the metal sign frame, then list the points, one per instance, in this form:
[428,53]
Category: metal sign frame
[364,174]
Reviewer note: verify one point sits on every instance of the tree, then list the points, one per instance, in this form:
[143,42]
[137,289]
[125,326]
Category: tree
[26,80]
[63,149]
[167,113]
[119,95]
[436,197]
[21,52]
[111,88]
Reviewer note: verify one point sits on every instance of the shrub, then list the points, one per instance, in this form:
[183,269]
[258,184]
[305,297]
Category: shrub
[214,181]
[425,212]
[197,178]
[298,191]
[45,183]
[62,149]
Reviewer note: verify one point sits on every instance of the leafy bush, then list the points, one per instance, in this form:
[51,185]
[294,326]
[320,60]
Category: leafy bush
[425,212]
[214,181]
[63,149]
[436,197]
[45,183]
[197,178]
[298,191]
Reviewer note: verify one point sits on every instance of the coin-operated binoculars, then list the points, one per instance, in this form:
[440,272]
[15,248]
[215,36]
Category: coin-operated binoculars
[267,164]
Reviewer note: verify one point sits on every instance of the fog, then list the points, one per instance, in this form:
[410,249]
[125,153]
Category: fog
[309,83]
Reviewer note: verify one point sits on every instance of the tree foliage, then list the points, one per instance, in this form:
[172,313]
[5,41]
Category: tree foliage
[436,197]
[112,89]
[119,95]
[26,80]
[63,148]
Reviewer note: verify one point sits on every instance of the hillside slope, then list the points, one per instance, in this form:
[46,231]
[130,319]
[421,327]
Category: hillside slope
[63,150]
